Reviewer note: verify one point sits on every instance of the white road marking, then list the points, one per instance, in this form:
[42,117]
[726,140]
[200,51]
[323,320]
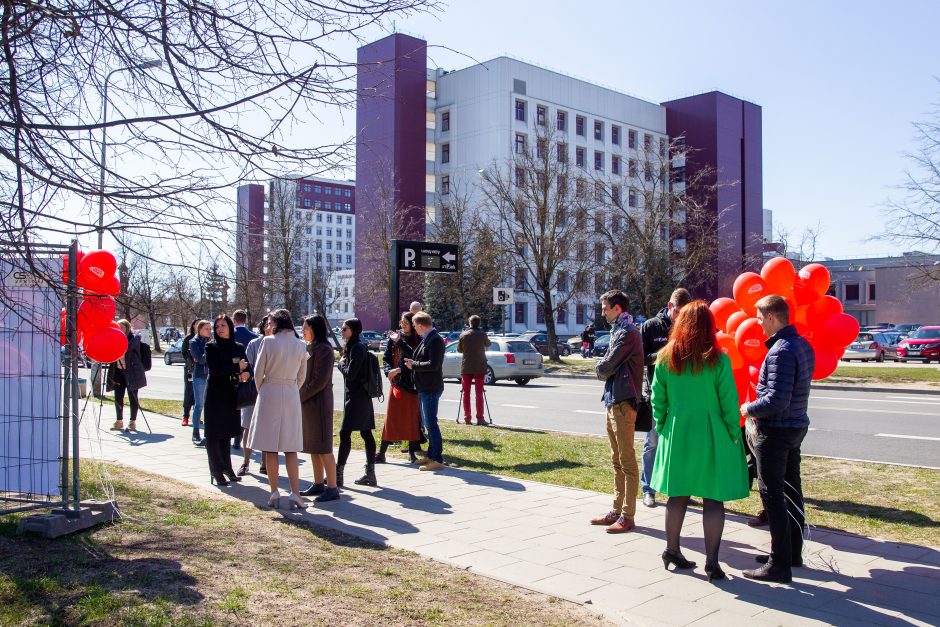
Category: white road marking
[589,411]
[519,406]
[450,400]
[874,400]
[871,411]
[908,437]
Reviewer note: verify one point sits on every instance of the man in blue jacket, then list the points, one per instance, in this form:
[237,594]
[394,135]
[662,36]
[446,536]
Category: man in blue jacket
[780,421]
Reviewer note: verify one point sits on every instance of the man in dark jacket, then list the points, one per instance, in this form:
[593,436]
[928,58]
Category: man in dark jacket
[777,423]
[621,370]
[428,368]
[655,333]
[189,398]
[472,344]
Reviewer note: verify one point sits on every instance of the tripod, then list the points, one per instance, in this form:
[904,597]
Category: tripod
[486,404]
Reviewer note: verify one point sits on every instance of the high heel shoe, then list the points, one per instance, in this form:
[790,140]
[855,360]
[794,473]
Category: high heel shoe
[218,480]
[713,571]
[296,502]
[232,476]
[677,559]
[274,501]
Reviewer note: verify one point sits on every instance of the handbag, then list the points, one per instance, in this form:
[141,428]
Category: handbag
[246,394]
[644,415]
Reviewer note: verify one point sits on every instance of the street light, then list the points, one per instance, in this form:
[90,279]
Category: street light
[143,65]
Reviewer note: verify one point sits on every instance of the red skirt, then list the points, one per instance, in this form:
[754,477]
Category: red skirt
[402,418]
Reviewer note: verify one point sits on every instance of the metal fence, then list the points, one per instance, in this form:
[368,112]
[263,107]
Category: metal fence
[39,386]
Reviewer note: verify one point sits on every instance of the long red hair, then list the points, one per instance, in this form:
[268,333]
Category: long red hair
[691,340]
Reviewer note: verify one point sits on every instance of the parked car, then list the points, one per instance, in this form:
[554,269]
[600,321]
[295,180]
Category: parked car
[506,358]
[922,344]
[906,328]
[450,336]
[174,353]
[574,342]
[600,345]
[372,339]
[869,345]
[540,341]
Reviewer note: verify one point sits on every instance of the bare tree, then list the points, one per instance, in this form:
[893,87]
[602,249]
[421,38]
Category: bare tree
[800,248]
[285,243]
[146,283]
[914,218]
[540,214]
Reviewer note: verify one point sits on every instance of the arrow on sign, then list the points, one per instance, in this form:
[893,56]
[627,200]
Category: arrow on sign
[448,256]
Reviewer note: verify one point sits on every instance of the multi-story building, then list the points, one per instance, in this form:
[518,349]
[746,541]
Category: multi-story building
[430,131]
[320,216]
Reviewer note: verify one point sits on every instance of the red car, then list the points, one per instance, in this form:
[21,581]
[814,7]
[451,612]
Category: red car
[922,344]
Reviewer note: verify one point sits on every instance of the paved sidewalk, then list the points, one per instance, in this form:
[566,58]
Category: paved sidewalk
[536,536]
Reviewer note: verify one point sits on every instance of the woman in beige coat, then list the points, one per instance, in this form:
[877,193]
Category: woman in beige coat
[276,424]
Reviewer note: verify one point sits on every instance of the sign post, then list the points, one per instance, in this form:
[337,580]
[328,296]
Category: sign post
[503,296]
[413,256]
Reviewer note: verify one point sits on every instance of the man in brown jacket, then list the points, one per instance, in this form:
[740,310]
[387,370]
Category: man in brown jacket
[473,344]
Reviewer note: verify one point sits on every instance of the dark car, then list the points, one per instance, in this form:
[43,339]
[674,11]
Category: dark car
[540,341]
[906,328]
[450,336]
[922,344]
[174,353]
[600,345]
[372,339]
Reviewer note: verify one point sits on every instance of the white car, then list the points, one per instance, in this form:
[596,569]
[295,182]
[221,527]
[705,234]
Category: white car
[506,358]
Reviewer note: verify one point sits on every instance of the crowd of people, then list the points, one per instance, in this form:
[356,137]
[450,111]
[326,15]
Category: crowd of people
[701,443]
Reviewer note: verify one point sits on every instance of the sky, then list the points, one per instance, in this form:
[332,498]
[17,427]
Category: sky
[840,83]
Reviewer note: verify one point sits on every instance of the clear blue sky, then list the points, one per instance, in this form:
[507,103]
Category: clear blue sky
[840,82]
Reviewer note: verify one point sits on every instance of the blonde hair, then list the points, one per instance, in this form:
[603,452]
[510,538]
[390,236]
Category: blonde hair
[126,325]
[202,323]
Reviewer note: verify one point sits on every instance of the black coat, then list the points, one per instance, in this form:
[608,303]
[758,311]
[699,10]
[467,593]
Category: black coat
[405,351]
[655,333]
[429,363]
[132,375]
[358,414]
[222,419]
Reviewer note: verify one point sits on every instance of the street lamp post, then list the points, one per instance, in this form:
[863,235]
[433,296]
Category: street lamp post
[151,63]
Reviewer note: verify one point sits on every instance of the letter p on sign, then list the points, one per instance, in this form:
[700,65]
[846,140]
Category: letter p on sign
[410,257]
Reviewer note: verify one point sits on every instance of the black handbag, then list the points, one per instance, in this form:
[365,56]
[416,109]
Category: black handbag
[644,415]
[246,394]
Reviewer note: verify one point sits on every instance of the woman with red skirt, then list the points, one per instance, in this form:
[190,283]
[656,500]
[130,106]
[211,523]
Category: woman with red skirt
[403,416]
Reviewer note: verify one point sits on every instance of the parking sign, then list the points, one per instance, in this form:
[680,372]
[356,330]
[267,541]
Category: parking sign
[503,296]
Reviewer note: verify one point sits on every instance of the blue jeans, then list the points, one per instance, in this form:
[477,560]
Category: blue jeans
[429,404]
[199,398]
[649,456]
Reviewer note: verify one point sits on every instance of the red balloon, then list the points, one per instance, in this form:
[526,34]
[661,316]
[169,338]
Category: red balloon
[95,313]
[65,265]
[734,321]
[778,273]
[811,283]
[96,268]
[837,332]
[727,346]
[749,288]
[109,287]
[722,308]
[798,316]
[63,335]
[742,382]
[826,363]
[801,329]
[107,345]
[821,310]
[750,339]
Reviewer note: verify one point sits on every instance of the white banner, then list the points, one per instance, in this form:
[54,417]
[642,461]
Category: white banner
[30,382]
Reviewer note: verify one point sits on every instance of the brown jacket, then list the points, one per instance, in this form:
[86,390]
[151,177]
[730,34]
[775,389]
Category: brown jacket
[473,345]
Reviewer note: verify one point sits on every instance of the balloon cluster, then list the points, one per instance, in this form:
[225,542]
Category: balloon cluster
[102,338]
[816,316]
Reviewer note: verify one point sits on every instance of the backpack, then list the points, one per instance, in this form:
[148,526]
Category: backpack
[145,356]
[373,380]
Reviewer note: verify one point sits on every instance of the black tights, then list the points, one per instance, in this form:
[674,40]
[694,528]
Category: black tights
[345,444]
[119,402]
[713,522]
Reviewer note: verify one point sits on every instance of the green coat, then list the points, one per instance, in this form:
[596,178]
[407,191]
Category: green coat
[700,450]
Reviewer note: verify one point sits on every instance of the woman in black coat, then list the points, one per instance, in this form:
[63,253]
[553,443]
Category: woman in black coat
[227,366]
[358,414]
[127,375]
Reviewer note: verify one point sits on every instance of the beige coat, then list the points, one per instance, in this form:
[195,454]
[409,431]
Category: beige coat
[279,373]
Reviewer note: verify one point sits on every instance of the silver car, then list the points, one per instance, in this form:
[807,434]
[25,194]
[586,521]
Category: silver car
[506,358]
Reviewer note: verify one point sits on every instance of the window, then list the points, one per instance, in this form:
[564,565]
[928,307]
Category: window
[329,232]
[540,114]
[647,141]
[599,191]
[328,205]
[562,153]
[598,161]
[520,317]
[615,223]
[581,220]
[678,175]
[561,316]
[631,198]
[598,130]
[520,110]
[615,194]
[445,185]
[349,259]
[851,292]
[615,134]
[319,255]
[519,209]
[614,164]
[348,220]
[306,202]
[317,204]
[539,314]
[307,187]
[520,278]
[540,147]
[445,153]
[308,230]
[348,193]
[329,257]
[579,157]
[329,292]
[579,122]
[329,218]
[319,230]
[561,185]
[327,190]
[579,314]
[349,232]
[445,121]
[329,245]
[519,145]
[348,245]
[562,281]
[561,121]
[317,189]
[345,307]
[632,168]
[319,215]
[520,177]
[599,283]
[871,292]
[599,222]
[579,188]
[662,147]
[297,215]
[647,171]
[631,139]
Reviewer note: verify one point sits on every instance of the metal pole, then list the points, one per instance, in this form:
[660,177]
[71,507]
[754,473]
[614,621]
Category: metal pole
[393,287]
[72,315]
[104,152]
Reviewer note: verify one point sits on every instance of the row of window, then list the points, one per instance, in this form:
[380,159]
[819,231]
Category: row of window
[580,189]
[329,244]
[330,261]
[580,153]
[329,206]
[580,126]
[521,314]
[329,220]
[324,189]
[329,292]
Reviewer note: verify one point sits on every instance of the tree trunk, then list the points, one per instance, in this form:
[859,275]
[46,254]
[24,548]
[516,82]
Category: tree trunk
[152,314]
[550,326]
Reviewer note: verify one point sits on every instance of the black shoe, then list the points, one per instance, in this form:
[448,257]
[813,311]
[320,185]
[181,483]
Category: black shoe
[380,458]
[339,475]
[368,478]
[676,559]
[218,480]
[200,443]
[236,447]
[314,490]
[713,571]
[231,476]
[769,572]
[329,494]
[763,559]
[262,470]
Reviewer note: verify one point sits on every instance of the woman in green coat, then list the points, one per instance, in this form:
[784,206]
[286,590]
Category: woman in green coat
[700,453]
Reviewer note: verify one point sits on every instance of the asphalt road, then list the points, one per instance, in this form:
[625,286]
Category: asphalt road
[897,428]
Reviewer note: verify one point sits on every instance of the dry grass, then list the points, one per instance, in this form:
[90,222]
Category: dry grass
[187,557]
